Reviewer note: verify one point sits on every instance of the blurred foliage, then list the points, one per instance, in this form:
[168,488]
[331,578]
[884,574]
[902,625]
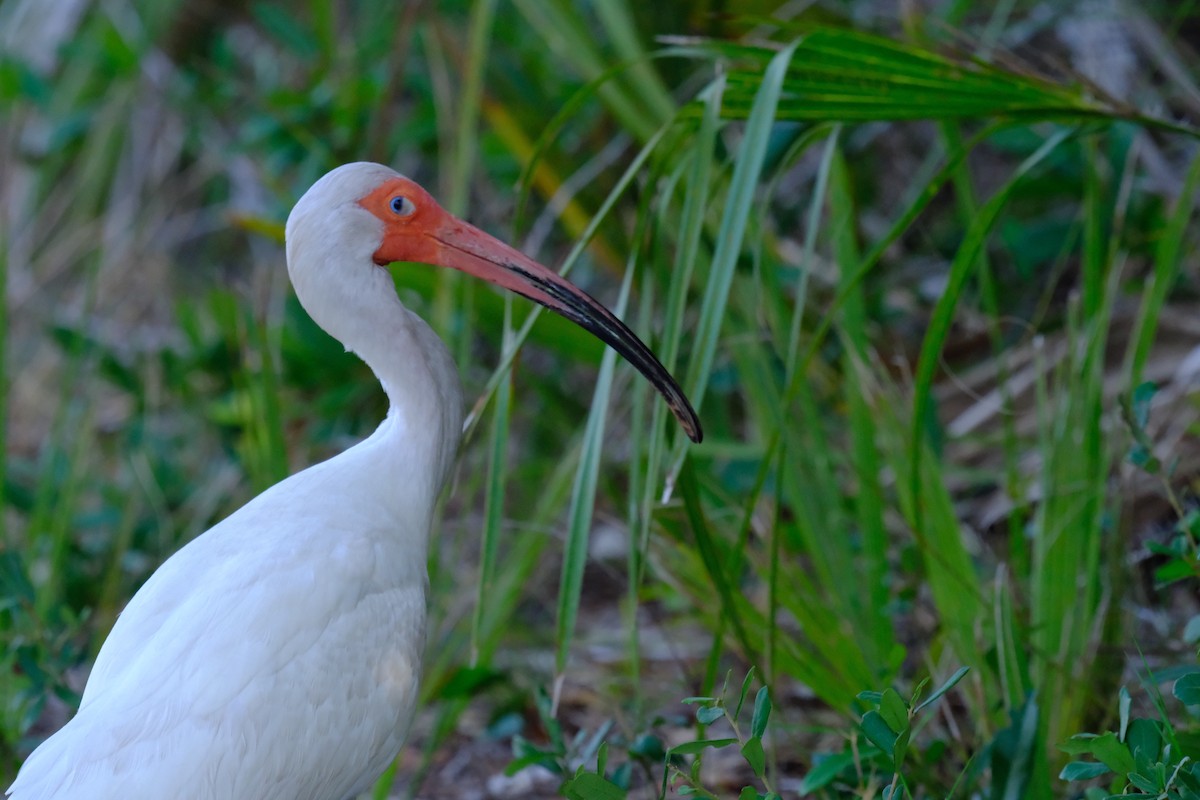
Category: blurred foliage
[925,270]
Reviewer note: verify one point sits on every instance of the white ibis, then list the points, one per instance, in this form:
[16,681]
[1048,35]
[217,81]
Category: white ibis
[276,656]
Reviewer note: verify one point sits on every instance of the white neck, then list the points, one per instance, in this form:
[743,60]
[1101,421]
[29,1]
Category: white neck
[422,386]
[355,301]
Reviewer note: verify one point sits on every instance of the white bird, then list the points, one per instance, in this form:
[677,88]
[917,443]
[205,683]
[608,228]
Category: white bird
[277,656]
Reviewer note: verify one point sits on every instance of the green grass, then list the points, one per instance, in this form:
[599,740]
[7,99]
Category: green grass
[927,304]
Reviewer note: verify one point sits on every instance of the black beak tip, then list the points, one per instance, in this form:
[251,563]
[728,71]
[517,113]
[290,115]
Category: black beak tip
[688,420]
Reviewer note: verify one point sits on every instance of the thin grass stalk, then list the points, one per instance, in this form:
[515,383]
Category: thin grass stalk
[7,216]
[1168,262]
[747,168]
[919,202]
[864,455]
[538,173]
[443,304]
[645,83]
[265,395]
[583,501]
[813,224]
[570,36]
[817,592]
[62,464]
[642,476]
[713,556]
[60,485]
[1067,572]
[688,253]
[774,548]
[469,102]
[767,280]
[506,358]
[640,399]
[951,575]
[943,313]
[967,203]
[493,501]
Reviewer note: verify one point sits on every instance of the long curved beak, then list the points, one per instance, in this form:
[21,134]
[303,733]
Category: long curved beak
[459,245]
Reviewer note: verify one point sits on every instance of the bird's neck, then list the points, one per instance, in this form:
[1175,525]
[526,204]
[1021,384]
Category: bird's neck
[355,301]
[424,397]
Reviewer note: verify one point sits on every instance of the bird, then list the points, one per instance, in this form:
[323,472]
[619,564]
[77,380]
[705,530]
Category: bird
[277,656]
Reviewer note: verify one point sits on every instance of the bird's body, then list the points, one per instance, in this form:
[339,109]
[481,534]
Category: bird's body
[211,666]
[277,655]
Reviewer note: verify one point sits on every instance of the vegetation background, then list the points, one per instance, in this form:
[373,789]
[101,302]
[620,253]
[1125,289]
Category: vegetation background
[926,268]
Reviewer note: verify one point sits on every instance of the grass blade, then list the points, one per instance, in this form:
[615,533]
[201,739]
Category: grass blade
[1168,260]
[583,501]
[493,503]
[749,164]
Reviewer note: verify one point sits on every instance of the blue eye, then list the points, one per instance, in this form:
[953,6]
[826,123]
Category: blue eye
[402,206]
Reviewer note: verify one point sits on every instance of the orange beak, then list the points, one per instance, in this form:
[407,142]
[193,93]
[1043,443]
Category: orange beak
[418,229]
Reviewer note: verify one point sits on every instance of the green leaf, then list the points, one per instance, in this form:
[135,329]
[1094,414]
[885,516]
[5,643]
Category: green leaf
[1113,752]
[737,711]
[1169,258]
[917,691]
[707,715]
[844,75]
[583,499]
[287,29]
[469,682]
[622,774]
[950,683]
[493,503]
[762,713]
[751,156]
[1187,689]
[648,746]
[1123,703]
[893,710]
[1144,740]
[590,786]
[1147,784]
[711,551]
[1191,631]
[1143,396]
[1082,771]
[879,732]
[825,770]
[752,751]
[1078,744]
[688,748]
[901,747]
[1175,570]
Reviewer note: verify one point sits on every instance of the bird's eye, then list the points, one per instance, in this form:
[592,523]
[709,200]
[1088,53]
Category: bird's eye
[402,206]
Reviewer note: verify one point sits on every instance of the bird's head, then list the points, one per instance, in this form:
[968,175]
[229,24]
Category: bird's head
[366,215]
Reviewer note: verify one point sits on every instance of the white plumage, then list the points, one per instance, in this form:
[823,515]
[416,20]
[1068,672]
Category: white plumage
[277,656]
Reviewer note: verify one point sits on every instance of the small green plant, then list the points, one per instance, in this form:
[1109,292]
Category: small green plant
[685,777]
[888,726]
[566,756]
[1144,757]
[681,765]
